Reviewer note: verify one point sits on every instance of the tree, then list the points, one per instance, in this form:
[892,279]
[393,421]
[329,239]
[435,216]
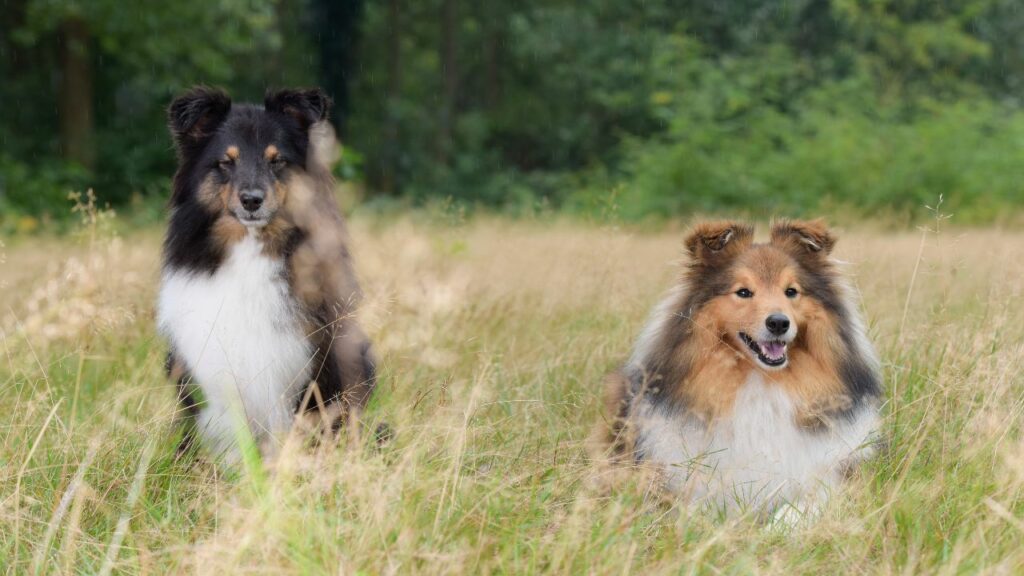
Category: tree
[77,130]
[110,117]
[449,78]
[336,30]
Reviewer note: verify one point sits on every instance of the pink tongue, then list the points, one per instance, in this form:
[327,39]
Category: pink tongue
[773,349]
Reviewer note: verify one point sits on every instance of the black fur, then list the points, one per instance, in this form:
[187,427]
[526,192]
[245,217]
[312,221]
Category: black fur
[333,376]
[821,283]
[185,392]
[188,243]
[194,116]
[304,106]
[818,279]
[204,123]
[665,370]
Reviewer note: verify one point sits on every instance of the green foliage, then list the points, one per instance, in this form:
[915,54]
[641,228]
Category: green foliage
[831,149]
[38,189]
[793,107]
[156,43]
[915,48]
[141,54]
[672,106]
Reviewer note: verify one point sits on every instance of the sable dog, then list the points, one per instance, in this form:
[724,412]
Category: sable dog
[753,384]
[258,292]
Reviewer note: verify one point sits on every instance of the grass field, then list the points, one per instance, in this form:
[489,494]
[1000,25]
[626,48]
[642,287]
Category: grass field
[493,337]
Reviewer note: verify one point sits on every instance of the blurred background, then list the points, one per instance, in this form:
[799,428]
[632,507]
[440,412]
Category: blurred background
[641,108]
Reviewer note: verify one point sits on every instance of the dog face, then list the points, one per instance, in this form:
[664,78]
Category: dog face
[762,316]
[240,158]
[764,299]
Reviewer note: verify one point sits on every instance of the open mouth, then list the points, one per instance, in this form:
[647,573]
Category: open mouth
[771,353]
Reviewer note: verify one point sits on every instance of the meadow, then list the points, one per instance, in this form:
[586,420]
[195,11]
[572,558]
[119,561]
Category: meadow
[494,336]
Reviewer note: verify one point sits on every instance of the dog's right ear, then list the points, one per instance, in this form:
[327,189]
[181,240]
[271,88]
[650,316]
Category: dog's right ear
[306,107]
[715,242]
[195,115]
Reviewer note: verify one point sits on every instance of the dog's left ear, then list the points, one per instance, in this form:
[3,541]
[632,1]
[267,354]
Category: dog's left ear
[807,237]
[717,242]
[307,107]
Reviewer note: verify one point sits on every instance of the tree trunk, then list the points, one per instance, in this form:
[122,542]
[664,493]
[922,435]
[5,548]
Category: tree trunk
[336,28]
[492,62]
[75,100]
[389,172]
[449,77]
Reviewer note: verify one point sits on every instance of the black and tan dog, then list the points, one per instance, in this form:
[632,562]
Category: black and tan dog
[258,291]
[753,384]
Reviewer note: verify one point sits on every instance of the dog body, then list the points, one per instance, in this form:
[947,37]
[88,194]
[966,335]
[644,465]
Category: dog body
[753,384]
[238,330]
[258,293]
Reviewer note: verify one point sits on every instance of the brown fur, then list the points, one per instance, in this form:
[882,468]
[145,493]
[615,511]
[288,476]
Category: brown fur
[320,273]
[227,230]
[698,362]
[323,280]
[612,434]
[276,154]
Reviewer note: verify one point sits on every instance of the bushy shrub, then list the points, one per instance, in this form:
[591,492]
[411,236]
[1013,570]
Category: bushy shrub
[746,134]
[971,154]
[39,190]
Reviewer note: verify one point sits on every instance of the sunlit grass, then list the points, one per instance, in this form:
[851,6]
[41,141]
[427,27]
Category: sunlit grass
[494,337]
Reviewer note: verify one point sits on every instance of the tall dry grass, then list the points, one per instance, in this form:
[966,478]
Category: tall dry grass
[493,337]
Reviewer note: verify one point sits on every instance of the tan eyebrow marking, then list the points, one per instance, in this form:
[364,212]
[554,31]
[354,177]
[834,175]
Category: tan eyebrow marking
[271,152]
[232,152]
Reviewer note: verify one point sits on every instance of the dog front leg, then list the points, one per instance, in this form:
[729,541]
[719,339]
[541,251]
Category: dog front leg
[356,366]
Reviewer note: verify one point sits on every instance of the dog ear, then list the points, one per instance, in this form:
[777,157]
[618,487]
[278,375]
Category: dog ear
[307,107]
[803,237]
[714,242]
[195,115]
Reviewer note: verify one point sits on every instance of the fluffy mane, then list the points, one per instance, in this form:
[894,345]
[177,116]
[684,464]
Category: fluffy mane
[686,362]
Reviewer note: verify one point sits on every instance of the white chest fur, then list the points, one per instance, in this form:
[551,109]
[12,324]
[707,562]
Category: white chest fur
[758,457]
[238,332]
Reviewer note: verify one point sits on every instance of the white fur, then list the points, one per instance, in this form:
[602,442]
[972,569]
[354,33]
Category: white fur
[756,457]
[656,324]
[239,335]
[864,349]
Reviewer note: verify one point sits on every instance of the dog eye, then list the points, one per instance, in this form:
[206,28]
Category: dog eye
[744,293]
[225,163]
[278,163]
[791,292]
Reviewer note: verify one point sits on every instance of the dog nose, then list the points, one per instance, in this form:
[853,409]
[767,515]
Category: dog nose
[251,200]
[777,324]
